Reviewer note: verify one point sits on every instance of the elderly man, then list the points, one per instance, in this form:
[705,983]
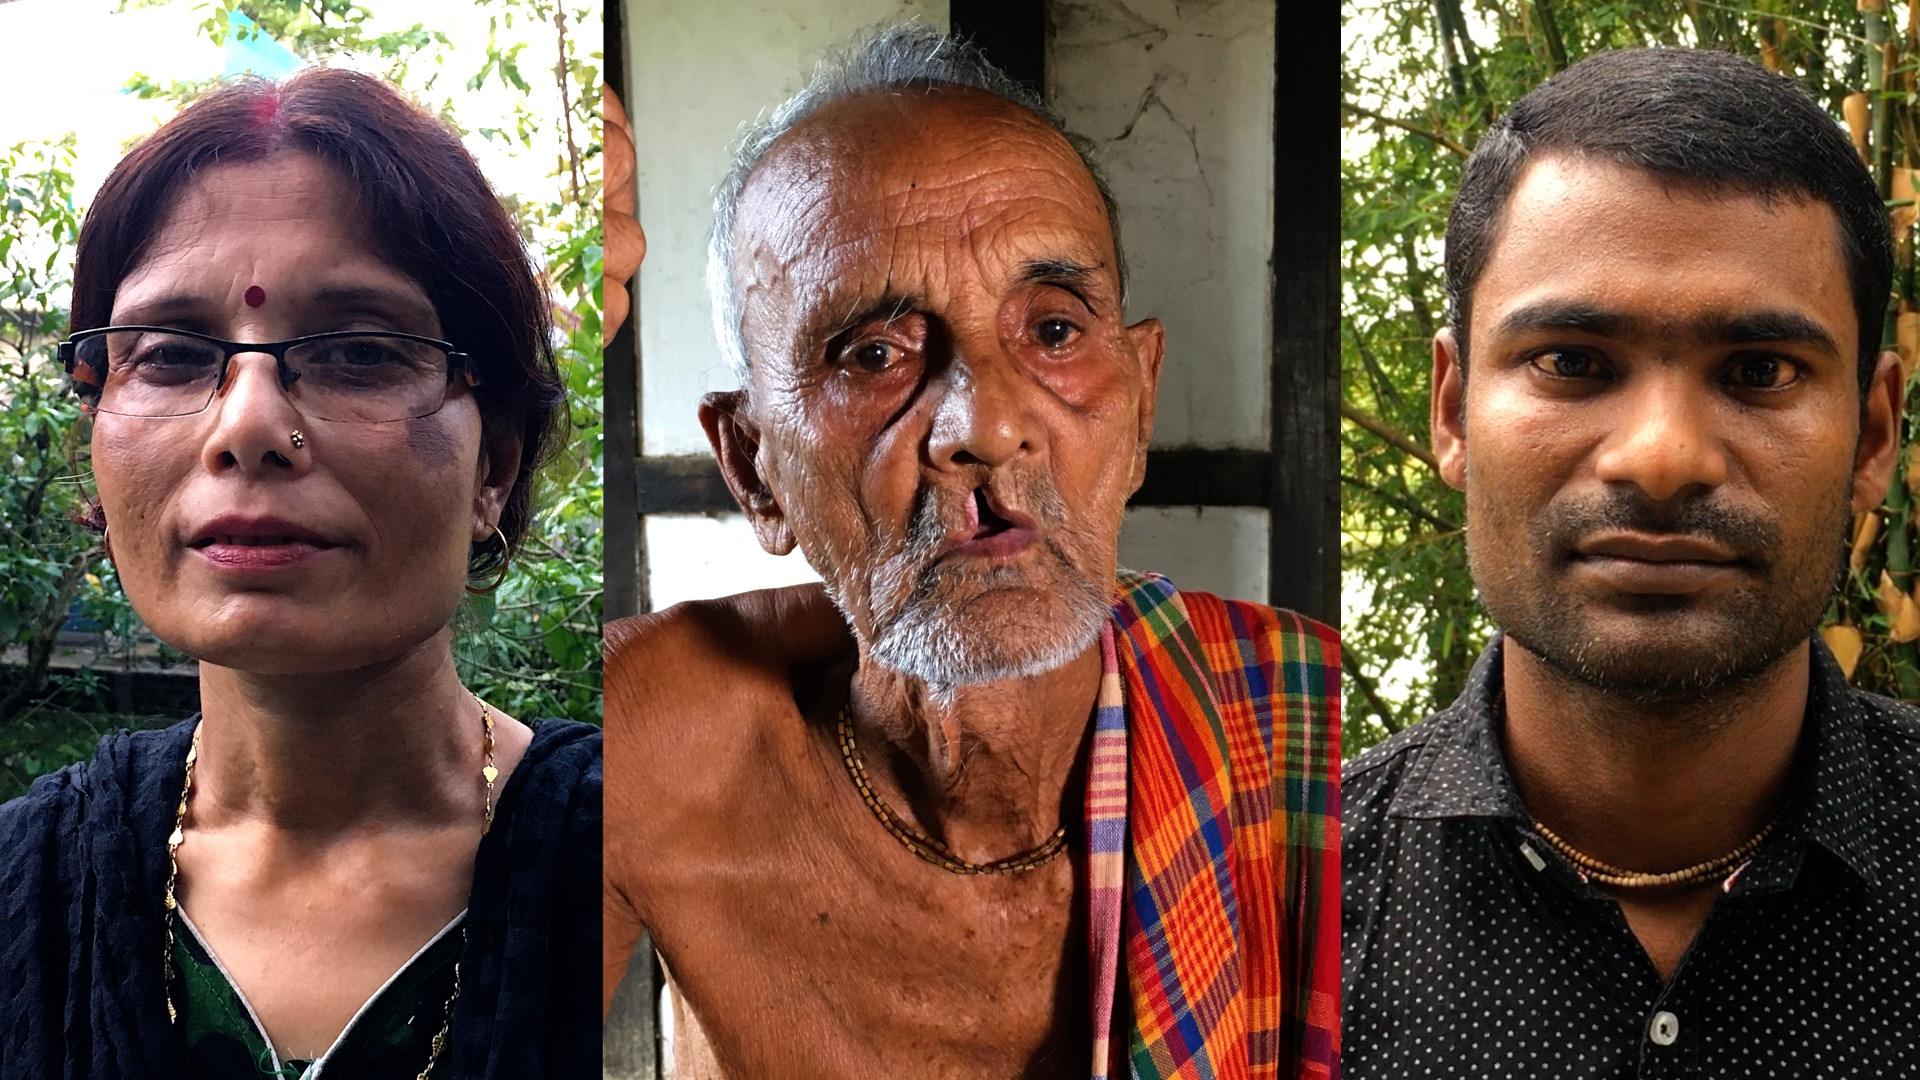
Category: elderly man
[1002,809]
[1658,834]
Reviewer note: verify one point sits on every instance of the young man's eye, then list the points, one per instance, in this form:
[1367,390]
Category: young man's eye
[1568,364]
[1760,371]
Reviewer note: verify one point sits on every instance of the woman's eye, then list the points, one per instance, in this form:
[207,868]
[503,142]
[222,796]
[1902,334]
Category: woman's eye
[170,355]
[1568,364]
[1054,333]
[1762,372]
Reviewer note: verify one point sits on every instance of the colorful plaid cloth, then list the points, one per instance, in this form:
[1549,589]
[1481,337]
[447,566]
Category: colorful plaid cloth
[1231,925]
[1107,852]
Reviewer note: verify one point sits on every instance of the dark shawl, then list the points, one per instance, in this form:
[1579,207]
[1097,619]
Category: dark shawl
[83,864]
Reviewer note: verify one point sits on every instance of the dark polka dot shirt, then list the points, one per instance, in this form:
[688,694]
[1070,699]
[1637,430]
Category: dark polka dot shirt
[1472,950]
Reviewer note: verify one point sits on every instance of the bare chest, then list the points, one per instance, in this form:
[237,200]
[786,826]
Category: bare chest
[826,949]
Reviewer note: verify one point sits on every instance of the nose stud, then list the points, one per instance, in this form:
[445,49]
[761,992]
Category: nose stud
[297,438]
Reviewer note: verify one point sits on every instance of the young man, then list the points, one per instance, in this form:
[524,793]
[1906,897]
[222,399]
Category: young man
[1658,834]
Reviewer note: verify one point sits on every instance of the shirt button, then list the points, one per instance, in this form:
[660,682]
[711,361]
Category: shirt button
[1665,1028]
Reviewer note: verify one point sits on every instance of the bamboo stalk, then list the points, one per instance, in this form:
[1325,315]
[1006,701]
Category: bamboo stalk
[1879,49]
[1899,504]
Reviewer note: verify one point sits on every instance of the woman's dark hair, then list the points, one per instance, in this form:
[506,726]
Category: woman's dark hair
[422,200]
[1697,117]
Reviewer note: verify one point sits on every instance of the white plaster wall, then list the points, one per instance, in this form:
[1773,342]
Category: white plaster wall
[696,556]
[700,71]
[1178,97]
[1216,549]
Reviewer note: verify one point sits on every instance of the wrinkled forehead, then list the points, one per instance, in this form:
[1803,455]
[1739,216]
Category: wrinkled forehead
[915,192]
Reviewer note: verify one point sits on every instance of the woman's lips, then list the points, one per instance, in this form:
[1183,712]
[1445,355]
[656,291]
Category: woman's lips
[258,556]
[234,542]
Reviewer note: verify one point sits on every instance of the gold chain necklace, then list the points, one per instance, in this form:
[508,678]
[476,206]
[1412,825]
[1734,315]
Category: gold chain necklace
[488,772]
[1618,877]
[926,847]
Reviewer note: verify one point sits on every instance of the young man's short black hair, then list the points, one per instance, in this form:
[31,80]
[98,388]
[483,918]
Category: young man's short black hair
[1697,117]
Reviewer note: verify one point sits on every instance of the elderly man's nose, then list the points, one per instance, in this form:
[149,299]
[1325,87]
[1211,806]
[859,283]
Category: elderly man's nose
[1664,442]
[984,415]
[254,419]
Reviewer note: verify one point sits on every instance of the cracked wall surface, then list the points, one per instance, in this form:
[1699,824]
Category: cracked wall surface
[1177,96]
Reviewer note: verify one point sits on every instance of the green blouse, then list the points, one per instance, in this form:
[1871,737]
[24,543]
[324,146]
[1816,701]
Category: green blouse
[390,1037]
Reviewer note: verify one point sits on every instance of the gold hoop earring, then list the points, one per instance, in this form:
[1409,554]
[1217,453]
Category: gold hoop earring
[504,562]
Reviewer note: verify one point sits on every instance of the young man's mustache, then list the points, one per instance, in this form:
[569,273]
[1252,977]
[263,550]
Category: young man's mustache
[1565,524]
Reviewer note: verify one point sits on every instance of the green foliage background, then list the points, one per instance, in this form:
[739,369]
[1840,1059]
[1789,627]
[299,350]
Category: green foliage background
[532,647]
[1421,80]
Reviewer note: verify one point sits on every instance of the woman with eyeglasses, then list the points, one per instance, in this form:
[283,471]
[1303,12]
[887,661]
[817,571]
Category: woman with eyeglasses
[318,368]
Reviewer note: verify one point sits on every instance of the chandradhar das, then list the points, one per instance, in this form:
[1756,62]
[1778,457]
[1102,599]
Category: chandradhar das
[985,804]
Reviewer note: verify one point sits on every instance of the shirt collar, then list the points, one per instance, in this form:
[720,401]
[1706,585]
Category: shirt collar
[1836,803]
[1462,772]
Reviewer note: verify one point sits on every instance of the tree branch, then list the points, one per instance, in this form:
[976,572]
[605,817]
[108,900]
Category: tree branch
[1412,129]
[1388,434]
[1369,691]
[1402,502]
[1549,29]
[566,103]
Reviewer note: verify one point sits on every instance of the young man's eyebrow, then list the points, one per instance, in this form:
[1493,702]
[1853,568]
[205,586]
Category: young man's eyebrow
[1759,327]
[1742,327]
[1570,316]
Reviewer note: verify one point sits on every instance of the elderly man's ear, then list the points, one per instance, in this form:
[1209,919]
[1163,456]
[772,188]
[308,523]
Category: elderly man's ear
[1149,340]
[736,446]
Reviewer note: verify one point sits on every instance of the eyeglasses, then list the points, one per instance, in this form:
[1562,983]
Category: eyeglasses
[349,376]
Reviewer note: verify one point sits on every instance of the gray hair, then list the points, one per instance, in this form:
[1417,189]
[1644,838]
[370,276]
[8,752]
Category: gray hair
[889,56]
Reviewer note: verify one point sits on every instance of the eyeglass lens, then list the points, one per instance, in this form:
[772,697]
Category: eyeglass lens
[360,378]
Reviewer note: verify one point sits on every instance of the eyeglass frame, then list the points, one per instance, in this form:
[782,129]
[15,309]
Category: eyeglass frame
[458,363]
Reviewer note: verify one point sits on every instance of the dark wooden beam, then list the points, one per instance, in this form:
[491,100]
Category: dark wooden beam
[1304,567]
[630,1042]
[1191,477]
[682,484]
[623,578]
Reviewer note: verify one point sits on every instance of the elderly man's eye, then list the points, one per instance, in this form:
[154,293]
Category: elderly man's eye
[1760,371]
[1054,333]
[873,355]
[1568,364]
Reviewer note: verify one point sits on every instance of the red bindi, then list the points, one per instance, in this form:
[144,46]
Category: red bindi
[266,107]
[255,296]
